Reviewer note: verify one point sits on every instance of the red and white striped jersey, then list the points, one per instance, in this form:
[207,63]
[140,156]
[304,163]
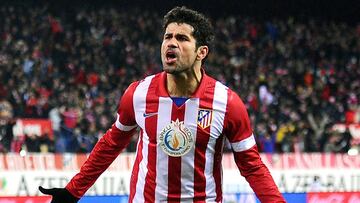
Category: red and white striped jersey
[180,148]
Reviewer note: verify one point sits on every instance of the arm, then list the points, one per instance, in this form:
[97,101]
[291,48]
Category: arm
[238,130]
[104,153]
[108,148]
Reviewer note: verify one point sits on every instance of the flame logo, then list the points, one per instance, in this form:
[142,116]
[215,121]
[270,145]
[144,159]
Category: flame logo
[175,141]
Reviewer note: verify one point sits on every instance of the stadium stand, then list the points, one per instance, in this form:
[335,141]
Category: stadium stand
[297,76]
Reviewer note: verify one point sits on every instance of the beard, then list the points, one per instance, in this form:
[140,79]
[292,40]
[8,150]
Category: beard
[174,69]
[177,69]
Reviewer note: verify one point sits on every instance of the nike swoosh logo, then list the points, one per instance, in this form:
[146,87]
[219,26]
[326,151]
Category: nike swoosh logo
[146,115]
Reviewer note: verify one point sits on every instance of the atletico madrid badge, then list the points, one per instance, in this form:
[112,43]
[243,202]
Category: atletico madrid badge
[204,118]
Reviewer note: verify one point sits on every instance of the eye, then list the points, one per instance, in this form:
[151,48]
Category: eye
[182,38]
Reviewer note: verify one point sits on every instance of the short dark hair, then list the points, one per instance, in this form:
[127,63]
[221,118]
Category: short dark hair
[203,30]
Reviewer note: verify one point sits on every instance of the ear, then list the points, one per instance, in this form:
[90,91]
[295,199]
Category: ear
[202,52]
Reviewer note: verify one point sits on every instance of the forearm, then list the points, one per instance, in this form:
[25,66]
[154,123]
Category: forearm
[258,176]
[263,185]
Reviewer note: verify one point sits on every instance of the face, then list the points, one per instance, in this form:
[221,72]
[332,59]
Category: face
[178,49]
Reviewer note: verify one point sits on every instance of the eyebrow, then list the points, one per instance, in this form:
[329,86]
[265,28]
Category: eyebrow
[176,35]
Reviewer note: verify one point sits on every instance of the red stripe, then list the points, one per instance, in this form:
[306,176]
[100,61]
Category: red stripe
[174,164]
[217,168]
[127,116]
[202,140]
[135,172]
[152,106]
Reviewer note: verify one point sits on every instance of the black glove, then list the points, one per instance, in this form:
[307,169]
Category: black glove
[59,195]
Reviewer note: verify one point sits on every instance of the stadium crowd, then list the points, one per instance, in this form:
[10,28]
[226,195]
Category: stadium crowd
[296,77]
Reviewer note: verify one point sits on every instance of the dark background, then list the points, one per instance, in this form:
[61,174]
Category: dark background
[345,10]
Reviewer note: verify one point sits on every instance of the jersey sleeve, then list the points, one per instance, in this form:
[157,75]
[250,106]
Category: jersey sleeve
[108,148]
[238,130]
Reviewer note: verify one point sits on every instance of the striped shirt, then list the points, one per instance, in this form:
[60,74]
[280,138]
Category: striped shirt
[180,148]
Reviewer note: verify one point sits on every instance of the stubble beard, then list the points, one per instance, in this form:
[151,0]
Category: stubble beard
[177,69]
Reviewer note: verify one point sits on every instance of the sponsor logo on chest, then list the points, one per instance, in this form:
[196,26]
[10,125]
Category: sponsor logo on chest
[176,139]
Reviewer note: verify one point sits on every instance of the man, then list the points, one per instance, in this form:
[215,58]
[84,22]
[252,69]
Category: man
[183,116]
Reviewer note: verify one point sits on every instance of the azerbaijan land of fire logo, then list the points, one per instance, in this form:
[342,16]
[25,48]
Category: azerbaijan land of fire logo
[176,139]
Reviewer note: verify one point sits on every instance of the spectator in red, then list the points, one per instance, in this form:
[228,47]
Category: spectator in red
[352,115]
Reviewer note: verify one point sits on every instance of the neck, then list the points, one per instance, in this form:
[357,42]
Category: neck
[183,84]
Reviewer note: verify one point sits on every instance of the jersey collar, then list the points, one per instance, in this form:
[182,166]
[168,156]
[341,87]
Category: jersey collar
[162,91]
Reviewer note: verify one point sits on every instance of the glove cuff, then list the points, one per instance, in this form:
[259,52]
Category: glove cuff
[68,196]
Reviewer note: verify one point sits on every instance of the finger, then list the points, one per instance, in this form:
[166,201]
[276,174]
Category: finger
[47,191]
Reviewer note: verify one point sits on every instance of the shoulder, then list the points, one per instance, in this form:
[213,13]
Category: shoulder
[136,91]
[223,94]
[143,83]
[236,109]
[213,86]
[233,99]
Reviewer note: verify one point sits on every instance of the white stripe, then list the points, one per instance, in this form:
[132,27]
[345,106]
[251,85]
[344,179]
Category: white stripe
[216,128]
[123,127]
[139,101]
[187,161]
[244,144]
[139,196]
[164,119]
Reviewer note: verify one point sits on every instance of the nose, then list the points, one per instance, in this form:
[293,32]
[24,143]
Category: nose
[172,43]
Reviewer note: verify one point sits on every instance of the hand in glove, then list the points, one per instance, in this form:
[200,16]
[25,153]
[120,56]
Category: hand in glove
[59,195]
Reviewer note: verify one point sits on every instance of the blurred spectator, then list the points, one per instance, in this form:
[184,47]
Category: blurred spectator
[316,185]
[86,139]
[266,142]
[297,77]
[32,143]
[55,118]
[6,110]
[335,143]
[7,136]
[46,144]
[352,115]
[6,123]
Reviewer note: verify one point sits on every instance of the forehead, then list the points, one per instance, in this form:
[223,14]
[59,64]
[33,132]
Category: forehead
[179,28]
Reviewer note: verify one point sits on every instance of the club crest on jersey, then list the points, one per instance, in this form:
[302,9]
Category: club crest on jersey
[176,139]
[204,118]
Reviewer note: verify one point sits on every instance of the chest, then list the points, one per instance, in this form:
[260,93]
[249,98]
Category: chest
[199,118]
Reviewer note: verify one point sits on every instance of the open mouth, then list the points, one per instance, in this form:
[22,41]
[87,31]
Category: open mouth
[170,57]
